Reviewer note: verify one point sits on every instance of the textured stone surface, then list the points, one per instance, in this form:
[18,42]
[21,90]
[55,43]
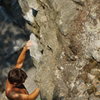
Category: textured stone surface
[68,34]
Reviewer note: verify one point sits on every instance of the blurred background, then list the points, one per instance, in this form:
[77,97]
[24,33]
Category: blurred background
[13,36]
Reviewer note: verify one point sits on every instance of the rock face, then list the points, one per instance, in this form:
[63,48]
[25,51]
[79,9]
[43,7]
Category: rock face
[68,36]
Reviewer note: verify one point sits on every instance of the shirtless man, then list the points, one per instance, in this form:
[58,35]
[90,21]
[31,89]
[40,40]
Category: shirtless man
[15,90]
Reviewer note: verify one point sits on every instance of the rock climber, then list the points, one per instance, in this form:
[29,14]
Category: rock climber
[15,90]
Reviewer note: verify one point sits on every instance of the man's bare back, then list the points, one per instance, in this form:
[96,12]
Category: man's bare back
[10,90]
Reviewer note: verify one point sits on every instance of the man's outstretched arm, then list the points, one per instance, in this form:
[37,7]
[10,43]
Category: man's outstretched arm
[22,55]
[34,94]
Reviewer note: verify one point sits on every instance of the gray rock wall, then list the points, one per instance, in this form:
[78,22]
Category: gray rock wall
[68,40]
[69,34]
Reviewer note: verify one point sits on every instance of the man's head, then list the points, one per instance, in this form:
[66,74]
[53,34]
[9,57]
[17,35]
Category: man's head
[17,76]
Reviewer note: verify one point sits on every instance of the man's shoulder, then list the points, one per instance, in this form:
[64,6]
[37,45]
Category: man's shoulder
[12,95]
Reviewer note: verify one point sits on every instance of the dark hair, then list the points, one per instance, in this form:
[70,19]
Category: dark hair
[17,75]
